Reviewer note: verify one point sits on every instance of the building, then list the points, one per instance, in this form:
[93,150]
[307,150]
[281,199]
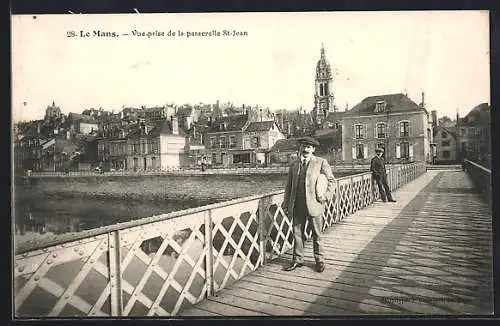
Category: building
[258,138]
[224,140]
[81,124]
[156,146]
[112,147]
[238,141]
[475,134]
[155,113]
[323,90]
[284,151]
[447,147]
[52,112]
[393,122]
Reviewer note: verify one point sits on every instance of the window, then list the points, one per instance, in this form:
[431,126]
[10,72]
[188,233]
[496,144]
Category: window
[214,158]
[444,134]
[154,147]
[404,129]
[446,154]
[445,143]
[241,158]
[153,162]
[232,141]
[360,151]
[381,130]
[405,149]
[212,142]
[358,131]
[255,142]
[477,131]
[380,106]
[222,142]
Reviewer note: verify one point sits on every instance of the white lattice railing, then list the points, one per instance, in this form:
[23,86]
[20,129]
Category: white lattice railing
[160,265]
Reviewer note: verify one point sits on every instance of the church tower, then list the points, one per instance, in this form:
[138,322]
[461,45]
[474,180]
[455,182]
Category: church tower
[323,96]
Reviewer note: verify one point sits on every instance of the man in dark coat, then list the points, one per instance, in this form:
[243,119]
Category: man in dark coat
[310,185]
[379,174]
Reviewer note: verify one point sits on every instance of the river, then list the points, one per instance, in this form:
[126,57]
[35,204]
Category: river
[56,206]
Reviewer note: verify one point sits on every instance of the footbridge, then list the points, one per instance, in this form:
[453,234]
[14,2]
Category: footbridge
[428,253]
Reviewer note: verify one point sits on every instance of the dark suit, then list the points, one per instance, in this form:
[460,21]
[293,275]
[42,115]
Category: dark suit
[379,174]
[303,203]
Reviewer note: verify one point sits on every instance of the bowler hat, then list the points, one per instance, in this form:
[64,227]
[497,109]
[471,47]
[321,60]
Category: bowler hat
[309,141]
[379,150]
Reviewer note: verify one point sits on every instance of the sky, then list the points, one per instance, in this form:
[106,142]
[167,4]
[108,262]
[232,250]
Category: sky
[442,53]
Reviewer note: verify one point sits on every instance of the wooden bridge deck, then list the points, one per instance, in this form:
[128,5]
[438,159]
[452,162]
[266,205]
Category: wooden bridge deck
[429,253]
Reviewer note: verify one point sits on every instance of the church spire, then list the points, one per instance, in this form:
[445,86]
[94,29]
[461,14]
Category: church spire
[322,50]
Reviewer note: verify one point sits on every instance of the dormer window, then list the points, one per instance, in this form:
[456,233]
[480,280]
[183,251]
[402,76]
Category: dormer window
[380,106]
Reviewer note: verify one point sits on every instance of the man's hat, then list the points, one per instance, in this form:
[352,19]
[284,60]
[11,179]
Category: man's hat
[309,141]
[379,150]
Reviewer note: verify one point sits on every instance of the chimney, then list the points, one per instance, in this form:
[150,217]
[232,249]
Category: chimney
[434,118]
[423,99]
[175,125]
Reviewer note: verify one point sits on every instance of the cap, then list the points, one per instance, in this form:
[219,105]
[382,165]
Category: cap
[309,141]
[379,150]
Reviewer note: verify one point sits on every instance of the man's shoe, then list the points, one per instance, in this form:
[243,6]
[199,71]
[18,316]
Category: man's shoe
[392,200]
[293,266]
[320,267]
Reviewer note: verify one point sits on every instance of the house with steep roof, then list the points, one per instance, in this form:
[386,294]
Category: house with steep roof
[224,137]
[393,122]
[157,145]
[238,140]
[447,146]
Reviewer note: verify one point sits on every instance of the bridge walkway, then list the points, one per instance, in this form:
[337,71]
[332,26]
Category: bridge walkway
[428,253]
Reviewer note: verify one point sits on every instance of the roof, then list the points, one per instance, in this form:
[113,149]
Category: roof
[394,103]
[260,126]
[327,133]
[163,126]
[82,118]
[335,116]
[230,123]
[283,145]
[184,111]
[479,115]
[451,131]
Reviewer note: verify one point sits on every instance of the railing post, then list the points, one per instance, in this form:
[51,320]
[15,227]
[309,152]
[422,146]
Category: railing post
[209,264]
[337,202]
[262,231]
[351,197]
[115,275]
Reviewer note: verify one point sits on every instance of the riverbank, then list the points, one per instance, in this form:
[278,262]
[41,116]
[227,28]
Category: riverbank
[154,188]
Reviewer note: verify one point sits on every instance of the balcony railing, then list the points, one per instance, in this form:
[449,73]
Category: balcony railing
[158,266]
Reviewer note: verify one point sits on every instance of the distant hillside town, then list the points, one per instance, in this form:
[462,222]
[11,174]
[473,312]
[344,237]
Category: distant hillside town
[174,136]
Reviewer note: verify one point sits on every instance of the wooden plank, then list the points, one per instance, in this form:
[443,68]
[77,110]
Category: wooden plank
[216,306]
[264,308]
[193,312]
[280,297]
[341,296]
